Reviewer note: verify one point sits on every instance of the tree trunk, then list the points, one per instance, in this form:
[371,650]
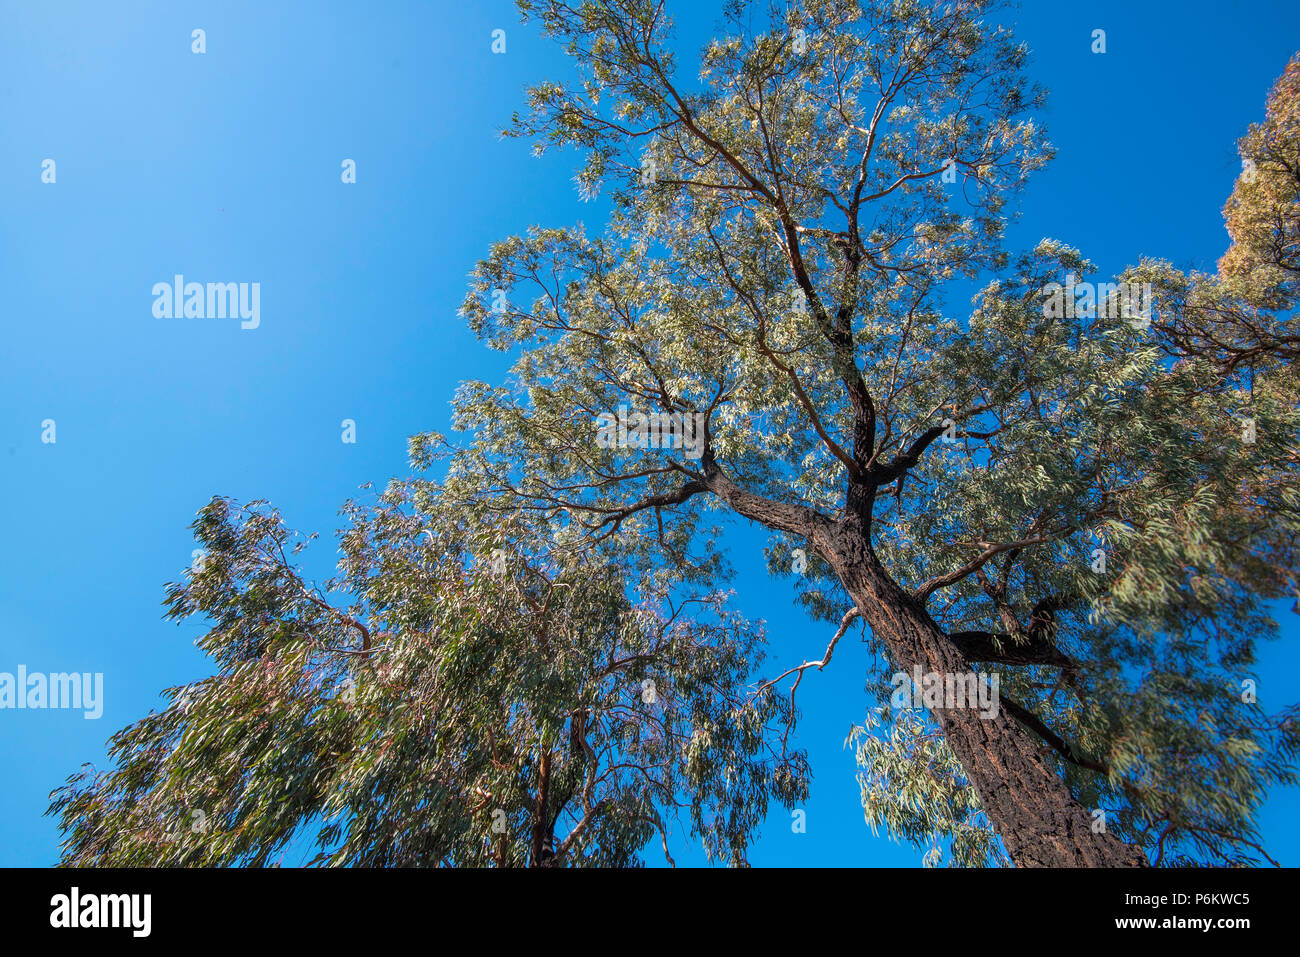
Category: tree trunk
[541,813]
[1029,805]
[1034,813]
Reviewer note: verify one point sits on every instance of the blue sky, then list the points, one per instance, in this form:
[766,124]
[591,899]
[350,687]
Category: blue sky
[225,167]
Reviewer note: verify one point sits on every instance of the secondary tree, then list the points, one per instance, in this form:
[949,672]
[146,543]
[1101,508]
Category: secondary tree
[511,710]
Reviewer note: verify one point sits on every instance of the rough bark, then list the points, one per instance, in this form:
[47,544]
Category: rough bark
[1038,819]
[1028,803]
[541,830]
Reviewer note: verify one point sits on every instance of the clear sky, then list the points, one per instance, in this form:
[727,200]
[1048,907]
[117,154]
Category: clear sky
[225,167]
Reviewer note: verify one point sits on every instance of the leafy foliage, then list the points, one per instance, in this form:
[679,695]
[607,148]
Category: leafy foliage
[525,714]
[1099,510]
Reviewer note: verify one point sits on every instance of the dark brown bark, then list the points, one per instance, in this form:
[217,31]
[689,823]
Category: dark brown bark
[541,816]
[1028,803]
[1004,649]
[1038,819]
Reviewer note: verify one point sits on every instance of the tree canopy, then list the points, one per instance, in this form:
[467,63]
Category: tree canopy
[1098,502]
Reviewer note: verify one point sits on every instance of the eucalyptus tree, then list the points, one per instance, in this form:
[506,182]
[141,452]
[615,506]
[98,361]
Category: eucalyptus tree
[1080,499]
[1030,489]
[1242,318]
[1263,212]
[476,704]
